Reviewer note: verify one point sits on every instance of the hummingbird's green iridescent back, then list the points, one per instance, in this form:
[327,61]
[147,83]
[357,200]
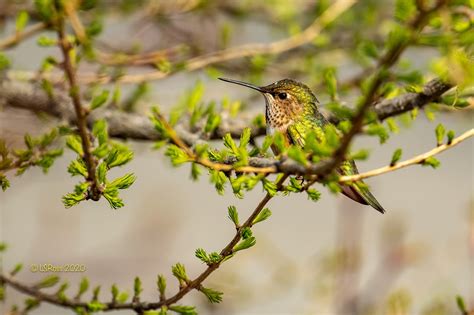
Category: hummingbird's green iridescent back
[292,109]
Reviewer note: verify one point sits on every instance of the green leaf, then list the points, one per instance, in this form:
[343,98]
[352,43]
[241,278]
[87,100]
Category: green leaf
[77,167]
[31,304]
[262,216]
[47,282]
[4,182]
[392,125]
[195,171]
[219,179]
[183,310]
[440,132]
[269,186]
[246,233]
[331,82]
[16,269]
[176,155]
[233,215]
[230,144]
[450,136]
[245,138]
[4,61]
[45,41]
[21,21]
[212,123]
[179,272]
[95,293]
[100,130]
[360,155]
[161,284]
[111,195]
[202,255]
[244,244]
[379,131]
[212,295]
[313,194]
[123,182]
[74,143]
[137,287]
[461,304]
[83,287]
[296,154]
[96,306]
[115,292]
[404,9]
[119,157]
[431,161]
[397,154]
[102,172]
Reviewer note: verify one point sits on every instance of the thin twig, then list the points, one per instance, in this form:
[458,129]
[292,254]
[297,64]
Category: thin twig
[414,160]
[16,38]
[81,113]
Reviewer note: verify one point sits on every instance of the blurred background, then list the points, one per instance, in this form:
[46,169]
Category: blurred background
[329,257]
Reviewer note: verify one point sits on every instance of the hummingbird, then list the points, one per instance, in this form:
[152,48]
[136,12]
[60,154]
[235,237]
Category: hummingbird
[292,109]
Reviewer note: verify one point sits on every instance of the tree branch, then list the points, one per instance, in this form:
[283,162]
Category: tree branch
[225,253]
[17,94]
[81,113]
[14,39]
[414,160]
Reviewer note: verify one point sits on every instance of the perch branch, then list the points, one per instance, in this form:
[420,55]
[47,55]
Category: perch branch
[414,160]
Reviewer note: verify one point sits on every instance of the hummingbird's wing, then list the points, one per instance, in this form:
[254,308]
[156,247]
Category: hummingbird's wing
[357,191]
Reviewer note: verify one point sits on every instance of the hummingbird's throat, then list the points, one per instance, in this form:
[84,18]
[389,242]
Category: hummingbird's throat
[277,117]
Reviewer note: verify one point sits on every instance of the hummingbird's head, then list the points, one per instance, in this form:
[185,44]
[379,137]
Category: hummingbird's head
[286,100]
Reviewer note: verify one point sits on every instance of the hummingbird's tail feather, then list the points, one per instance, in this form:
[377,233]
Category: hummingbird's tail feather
[360,193]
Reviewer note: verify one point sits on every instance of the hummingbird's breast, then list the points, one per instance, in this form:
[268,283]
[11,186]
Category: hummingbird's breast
[277,118]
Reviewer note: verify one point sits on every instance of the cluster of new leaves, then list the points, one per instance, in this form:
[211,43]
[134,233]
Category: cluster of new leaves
[109,154]
[38,151]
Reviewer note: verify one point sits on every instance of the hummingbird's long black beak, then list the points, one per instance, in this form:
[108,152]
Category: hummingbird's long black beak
[249,85]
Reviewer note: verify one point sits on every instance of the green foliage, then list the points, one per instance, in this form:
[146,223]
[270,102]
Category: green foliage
[313,194]
[179,272]
[262,216]
[83,287]
[177,155]
[233,215]
[183,310]
[161,284]
[450,136]
[296,154]
[397,154]
[100,99]
[38,152]
[244,244]
[440,132]
[331,82]
[379,131]
[461,304]
[108,154]
[18,267]
[21,21]
[219,179]
[431,161]
[47,282]
[4,61]
[212,295]
[137,287]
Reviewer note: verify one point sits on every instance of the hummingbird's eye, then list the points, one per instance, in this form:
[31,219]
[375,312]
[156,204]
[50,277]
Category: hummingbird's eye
[282,96]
